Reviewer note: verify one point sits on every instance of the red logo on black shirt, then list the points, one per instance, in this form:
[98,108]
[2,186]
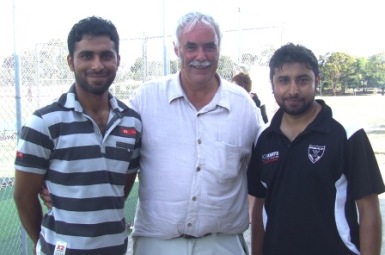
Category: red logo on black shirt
[128,131]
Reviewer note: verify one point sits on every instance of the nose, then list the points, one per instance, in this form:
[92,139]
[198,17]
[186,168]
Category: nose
[293,88]
[97,64]
[201,54]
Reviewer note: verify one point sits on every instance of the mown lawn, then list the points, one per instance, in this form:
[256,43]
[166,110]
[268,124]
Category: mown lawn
[10,232]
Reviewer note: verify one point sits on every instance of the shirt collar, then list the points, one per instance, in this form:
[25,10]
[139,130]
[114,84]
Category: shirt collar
[320,124]
[221,97]
[70,101]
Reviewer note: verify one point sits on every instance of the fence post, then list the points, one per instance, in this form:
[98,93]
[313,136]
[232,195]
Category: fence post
[24,242]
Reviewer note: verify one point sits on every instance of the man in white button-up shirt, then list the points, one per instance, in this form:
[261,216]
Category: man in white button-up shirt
[198,132]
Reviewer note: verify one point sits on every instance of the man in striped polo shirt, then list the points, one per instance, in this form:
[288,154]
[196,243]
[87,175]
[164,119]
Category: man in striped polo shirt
[84,148]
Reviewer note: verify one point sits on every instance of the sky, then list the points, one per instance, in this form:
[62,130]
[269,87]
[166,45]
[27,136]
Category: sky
[354,27]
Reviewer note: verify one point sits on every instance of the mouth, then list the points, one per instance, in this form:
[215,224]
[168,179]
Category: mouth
[293,102]
[200,65]
[96,75]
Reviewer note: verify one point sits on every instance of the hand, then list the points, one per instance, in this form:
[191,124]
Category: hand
[45,197]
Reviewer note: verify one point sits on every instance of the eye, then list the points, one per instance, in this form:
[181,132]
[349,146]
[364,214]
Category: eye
[106,56]
[283,80]
[211,46]
[190,47]
[303,80]
[86,55]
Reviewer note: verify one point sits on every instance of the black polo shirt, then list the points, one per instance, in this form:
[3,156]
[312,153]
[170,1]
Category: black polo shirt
[310,186]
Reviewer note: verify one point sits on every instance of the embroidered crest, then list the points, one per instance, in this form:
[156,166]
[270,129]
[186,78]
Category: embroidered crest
[315,152]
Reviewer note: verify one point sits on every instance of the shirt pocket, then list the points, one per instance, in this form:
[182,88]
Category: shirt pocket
[228,161]
[119,151]
[123,151]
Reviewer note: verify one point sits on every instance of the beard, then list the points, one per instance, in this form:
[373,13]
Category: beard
[98,89]
[299,109]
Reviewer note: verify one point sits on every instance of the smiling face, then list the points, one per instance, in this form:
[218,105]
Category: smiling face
[294,88]
[94,63]
[198,51]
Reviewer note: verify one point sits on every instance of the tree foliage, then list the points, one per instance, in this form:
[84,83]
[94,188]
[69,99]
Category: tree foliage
[337,69]
[376,70]
[340,71]
[225,67]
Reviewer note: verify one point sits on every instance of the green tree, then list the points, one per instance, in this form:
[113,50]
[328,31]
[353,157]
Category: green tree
[263,58]
[139,69]
[376,71]
[248,59]
[359,77]
[225,67]
[174,66]
[124,73]
[337,70]
[43,65]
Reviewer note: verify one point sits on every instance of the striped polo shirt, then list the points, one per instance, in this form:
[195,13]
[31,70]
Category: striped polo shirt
[84,172]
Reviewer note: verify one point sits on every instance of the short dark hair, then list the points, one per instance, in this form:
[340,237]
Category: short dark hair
[243,80]
[93,26]
[291,53]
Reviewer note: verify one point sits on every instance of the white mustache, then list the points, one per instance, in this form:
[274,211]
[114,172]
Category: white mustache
[200,64]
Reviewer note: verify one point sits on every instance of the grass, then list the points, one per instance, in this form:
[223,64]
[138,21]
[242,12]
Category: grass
[10,239]
[10,234]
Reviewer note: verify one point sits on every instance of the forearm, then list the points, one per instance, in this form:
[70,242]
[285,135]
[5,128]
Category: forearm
[256,239]
[130,180]
[27,187]
[370,225]
[370,234]
[257,229]
[30,214]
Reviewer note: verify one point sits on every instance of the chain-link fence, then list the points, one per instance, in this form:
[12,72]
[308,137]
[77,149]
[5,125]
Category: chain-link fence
[35,77]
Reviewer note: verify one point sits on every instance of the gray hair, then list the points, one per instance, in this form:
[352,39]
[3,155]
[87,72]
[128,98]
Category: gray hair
[189,21]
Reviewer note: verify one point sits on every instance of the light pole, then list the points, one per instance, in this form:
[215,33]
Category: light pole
[165,64]
[239,35]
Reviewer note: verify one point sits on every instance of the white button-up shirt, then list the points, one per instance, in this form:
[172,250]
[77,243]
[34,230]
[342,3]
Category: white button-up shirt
[193,163]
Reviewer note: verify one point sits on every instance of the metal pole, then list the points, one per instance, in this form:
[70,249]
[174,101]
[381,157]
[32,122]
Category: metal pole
[239,35]
[165,64]
[23,237]
[17,72]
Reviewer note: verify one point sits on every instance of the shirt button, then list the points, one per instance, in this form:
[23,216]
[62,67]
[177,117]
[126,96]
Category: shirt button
[198,168]
[199,141]
[194,198]
[189,225]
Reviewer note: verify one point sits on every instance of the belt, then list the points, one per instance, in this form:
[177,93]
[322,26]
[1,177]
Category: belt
[185,236]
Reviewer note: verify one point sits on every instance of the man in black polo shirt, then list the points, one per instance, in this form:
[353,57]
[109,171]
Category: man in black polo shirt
[316,182]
